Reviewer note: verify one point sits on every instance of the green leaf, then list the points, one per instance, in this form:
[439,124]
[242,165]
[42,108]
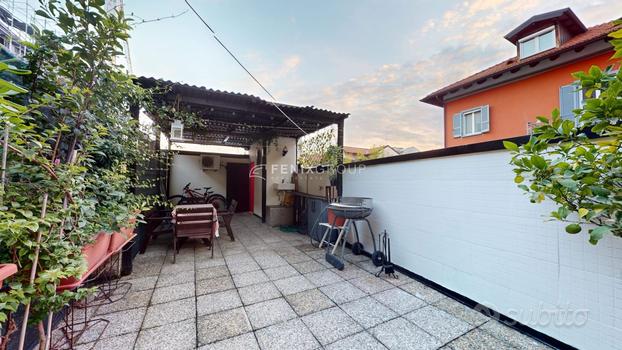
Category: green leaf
[543,119]
[595,71]
[510,146]
[573,228]
[568,183]
[8,88]
[538,162]
[589,180]
[555,114]
[583,212]
[596,234]
[600,191]
[567,126]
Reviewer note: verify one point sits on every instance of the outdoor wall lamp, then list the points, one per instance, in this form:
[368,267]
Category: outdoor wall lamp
[285,151]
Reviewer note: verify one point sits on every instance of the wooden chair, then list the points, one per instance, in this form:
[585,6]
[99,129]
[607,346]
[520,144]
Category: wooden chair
[193,223]
[225,217]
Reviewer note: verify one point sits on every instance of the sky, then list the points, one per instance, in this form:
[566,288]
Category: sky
[373,59]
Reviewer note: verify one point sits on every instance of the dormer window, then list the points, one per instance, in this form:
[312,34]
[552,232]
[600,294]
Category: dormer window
[177,130]
[537,42]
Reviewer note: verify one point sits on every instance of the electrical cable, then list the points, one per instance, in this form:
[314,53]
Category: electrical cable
[274,101]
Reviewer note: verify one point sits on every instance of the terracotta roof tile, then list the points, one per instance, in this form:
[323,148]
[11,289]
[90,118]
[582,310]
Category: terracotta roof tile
[592,34]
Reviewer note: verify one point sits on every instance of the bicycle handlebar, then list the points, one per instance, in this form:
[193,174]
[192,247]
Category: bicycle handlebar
[207,188]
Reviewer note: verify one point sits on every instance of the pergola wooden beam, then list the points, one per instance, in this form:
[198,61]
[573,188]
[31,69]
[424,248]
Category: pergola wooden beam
[242,118]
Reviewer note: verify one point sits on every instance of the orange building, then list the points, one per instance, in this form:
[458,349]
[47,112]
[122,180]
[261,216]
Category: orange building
[503,101]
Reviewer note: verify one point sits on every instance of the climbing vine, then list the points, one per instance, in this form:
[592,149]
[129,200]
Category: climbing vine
[71,147]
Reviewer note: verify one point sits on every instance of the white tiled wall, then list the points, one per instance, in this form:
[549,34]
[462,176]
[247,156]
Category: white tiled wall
[461,222]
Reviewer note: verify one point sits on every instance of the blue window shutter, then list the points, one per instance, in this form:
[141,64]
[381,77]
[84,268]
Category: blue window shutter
[457,125]
[485,119]
[568,101]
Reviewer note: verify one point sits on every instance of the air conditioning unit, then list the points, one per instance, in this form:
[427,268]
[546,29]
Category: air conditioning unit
[210,162]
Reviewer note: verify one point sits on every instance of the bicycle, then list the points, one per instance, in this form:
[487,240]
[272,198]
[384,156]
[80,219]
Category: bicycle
[215,199]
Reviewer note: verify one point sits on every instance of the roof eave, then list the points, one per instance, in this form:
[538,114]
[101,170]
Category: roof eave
[513,36]
[434,99]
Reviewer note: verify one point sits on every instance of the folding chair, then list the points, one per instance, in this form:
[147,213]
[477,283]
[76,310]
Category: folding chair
[193,223]
[225,217]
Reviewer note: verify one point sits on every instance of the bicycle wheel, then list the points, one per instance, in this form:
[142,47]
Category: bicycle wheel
[176,199]
[218,201]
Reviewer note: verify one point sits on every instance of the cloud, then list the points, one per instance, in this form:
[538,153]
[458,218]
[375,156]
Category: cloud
[384,104]
[271,73]
[289,64]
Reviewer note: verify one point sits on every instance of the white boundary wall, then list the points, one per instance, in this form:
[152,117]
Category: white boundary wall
[460,221]
[188,168]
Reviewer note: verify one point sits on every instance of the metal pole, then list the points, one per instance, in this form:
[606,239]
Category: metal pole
[340,166]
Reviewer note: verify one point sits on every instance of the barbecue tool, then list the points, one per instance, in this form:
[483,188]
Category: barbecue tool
[387,265]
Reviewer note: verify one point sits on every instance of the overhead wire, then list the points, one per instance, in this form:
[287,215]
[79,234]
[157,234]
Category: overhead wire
[274,101]
[157,19]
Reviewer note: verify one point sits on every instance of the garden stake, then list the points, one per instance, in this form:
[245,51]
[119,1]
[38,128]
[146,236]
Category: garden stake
[5,152]
[33,272]
[48,333]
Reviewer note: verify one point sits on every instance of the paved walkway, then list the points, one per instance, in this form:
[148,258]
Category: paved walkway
[273,290]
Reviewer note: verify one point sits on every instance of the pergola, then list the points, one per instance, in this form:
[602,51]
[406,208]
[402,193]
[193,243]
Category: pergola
[239,120]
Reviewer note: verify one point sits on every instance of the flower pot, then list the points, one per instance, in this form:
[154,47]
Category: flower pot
[117,239]
[93,253]
[97,250]
[6,271]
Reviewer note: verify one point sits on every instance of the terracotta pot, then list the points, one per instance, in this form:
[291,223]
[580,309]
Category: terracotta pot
[6,270]
[338,221]
[118,238]
[69,281]
[96,251]
[93,253]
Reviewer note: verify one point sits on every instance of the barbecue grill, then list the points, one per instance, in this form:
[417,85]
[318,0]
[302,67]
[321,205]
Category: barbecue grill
[346,211]
[352,207]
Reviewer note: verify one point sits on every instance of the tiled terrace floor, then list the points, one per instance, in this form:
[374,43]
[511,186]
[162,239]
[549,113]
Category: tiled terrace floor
[273,290]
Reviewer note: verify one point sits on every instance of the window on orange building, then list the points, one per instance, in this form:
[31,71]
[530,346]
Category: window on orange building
[570,98]
[537,42]
[471,122]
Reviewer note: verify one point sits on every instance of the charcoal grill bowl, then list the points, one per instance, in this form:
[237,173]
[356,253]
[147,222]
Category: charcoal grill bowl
[352,207]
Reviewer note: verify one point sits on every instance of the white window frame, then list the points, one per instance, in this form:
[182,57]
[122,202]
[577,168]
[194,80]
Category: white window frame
[463,118]
[463,115]
[537,42]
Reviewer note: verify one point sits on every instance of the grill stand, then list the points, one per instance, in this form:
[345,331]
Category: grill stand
[341,237]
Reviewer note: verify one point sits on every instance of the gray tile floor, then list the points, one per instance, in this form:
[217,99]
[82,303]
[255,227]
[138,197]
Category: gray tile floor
[273,290]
